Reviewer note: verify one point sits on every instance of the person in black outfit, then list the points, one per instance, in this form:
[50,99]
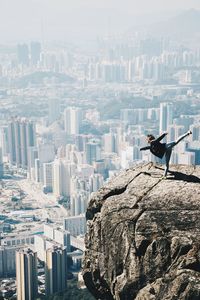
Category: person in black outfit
[161,149]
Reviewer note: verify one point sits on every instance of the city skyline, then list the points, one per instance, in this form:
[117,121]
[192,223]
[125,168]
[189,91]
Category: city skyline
[82,84]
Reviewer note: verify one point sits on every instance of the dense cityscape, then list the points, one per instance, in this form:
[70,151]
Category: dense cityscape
[70,120]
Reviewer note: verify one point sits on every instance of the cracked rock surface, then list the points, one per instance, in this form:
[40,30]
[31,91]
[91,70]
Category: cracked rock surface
[143,236]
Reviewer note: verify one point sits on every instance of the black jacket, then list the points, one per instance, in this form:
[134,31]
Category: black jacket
[157,148]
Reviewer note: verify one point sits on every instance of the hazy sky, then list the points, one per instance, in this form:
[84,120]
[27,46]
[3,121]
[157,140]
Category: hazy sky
[64,19]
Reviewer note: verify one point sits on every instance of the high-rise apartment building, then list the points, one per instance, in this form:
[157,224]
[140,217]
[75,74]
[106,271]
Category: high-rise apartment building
[35,51]
[195,128]
[93,151]
[95,182]
[8,260]
[109,142]
[4,140]
[57,177]
[32,156]
[59,235]
[23,54]
[46,154]
[63,170]
[1,164]
[48,176]
[76,225]
[166,116]
[21,135]
[26,274]
[78,202]
[80,141]
[72,120]
[55,270]
[54,110]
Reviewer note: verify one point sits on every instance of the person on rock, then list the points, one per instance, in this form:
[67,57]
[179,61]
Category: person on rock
[161,149]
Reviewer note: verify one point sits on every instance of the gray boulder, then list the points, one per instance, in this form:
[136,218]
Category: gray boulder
[143,236]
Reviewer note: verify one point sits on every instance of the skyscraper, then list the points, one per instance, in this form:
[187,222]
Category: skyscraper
[48,176]
[1,164]
[21,135]
[55,270]
[54,110]
[4,140]
[8,260]
[95,182]
[63,170]
[23,54]
[72,120]
[93,151]
[57,177]
[166,116]
[78,202]
[35,52]
[32,156]
[76,225]
[109,142]
[195,128]
[26,274]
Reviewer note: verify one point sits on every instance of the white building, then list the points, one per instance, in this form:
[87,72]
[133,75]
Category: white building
[85,171]
[32,155]
[166,116]
[4,140]
[48,176]
[109,140]
[187,158]
[46,152]
[72,120]
[49,231]
[51,237]
[78,202]
[18,239]
[62,237]
[57,177]
[62,172]
[54,109]
[95,182]
[58,235]
[76,225]
[40,246]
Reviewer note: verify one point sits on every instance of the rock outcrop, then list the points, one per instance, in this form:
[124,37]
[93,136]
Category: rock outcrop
[143,236]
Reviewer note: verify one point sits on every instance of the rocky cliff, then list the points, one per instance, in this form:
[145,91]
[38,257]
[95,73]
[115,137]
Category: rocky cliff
[143,236]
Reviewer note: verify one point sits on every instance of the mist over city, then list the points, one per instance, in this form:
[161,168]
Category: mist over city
[82,84]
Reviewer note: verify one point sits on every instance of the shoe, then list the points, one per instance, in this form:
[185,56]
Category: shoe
[189,132]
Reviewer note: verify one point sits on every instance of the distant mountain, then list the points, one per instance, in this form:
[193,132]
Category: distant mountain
[184,24]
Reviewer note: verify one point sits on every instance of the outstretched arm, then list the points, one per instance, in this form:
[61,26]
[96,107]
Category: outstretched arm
[161,137]
[145,148]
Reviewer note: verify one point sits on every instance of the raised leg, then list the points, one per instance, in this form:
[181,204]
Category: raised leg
[182,137]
